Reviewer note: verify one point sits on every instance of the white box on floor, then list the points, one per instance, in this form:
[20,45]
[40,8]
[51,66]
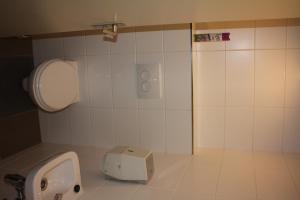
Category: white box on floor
[128,163]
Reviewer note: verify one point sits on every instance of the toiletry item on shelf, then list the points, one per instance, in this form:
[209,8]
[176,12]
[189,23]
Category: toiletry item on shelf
[211,37]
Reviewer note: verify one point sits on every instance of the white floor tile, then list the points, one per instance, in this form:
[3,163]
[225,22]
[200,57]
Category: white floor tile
[212,174]
[272,177]
[275,184]
[169,169]
[237,178]
[293,163]
[111,192]
[147,193]
[201,178]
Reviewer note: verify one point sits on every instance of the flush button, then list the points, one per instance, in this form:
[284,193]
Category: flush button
[148,81]
[145,75]
[146,86]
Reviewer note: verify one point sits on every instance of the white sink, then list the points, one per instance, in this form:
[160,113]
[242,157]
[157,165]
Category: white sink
[56,178]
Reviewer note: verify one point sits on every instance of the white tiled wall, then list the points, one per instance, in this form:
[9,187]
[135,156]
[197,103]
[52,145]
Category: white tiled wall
[248,95]
[109,112]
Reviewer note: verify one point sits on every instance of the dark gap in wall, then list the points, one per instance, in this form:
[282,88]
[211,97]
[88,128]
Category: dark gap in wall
[16,63]
[13,97]
[19,132]
[19,125]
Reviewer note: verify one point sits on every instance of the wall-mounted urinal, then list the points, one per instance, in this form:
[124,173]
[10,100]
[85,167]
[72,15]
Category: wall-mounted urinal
[57,178]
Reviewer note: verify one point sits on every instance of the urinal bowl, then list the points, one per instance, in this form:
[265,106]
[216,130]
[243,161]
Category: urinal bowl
[56,178]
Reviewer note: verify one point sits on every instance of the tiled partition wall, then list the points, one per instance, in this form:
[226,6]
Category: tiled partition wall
[109,112]
[247,94]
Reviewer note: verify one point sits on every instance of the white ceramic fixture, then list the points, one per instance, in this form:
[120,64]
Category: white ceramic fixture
[56,178]
[128,163]
[54,85]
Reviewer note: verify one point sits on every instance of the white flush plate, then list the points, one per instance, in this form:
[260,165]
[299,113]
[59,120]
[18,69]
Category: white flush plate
[149,81]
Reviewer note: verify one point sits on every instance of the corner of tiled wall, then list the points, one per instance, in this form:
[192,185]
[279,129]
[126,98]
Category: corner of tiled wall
[248,96]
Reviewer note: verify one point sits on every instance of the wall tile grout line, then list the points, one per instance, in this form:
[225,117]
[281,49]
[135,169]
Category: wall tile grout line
[225,96]
[68,122]
[254,92]
[257,49]
[139,108]
[194,138]
[112,95]
[164,93]
[284,94]
[90,111]
[86,72]
[112,109]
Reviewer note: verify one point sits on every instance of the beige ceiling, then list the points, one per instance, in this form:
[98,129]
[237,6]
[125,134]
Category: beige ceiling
[20,17]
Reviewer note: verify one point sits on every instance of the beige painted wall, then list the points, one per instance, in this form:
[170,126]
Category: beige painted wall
[46,16]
